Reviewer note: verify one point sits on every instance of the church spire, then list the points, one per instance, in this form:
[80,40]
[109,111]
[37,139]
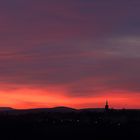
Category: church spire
[106,106]
[106,102]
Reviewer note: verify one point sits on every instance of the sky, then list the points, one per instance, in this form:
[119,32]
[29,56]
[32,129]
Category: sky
[76,53]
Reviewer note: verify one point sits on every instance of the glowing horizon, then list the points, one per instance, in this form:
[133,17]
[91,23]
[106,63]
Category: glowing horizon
[36,98]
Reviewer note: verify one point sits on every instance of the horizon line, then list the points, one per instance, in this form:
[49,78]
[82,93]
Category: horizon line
[67,107]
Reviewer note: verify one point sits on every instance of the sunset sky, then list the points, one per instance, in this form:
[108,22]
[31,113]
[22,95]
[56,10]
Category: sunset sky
[75,53]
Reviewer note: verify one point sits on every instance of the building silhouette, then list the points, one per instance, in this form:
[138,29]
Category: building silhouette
[106,106]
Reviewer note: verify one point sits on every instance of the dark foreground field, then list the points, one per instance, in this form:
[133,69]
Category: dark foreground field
[65,123]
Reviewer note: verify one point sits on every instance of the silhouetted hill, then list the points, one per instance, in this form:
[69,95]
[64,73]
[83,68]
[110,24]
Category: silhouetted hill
[63,109]
[6,108]
[54,109]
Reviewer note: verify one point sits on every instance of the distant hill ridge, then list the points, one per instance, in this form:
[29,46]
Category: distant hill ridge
[5,108]
[58,109]
[53,109]
[62,108]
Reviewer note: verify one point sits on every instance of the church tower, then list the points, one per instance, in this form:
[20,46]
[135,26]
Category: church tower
[106,106]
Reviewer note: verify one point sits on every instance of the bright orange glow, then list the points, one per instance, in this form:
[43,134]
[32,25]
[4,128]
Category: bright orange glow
[36,98]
